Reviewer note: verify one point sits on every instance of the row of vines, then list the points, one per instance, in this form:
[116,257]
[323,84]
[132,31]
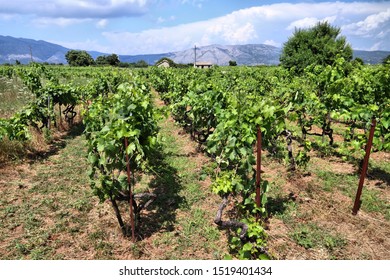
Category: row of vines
[120,124]
[55,92]
[222,109]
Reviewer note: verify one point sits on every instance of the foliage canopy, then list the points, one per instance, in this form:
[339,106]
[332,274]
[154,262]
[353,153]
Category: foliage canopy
[79,58]
[112,60]
[319,45]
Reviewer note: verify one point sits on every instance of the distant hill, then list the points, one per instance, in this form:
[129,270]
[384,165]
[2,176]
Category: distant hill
[12,49]
[217,54]
[23,50]
[371,57]
[253,54]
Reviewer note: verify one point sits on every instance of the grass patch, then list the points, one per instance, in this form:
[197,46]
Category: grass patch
[49,197]
[192,233]
[372,200]
[312,236]
[282,208]
[13,97]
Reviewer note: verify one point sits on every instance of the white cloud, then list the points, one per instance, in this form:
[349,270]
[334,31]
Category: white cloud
[62,22]
[153,40]
[6,17]
[87,45]
[102,23]
[309,22]
[383,33]
[303,23]
[220,30]
[196,3]
[271,24]
[272,43]
[376,46]
[76,8]
[231,31]
[162,19]
[369,24]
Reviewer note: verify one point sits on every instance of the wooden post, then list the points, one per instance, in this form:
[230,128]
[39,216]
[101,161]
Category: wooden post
[363,173]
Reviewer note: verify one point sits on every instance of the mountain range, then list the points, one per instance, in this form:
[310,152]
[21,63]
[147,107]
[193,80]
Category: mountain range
[26,50]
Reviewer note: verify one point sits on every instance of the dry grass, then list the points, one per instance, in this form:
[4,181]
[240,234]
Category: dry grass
[49,212]
[312,213]
[13,97]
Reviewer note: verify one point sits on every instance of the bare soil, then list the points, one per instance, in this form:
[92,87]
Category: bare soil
[366,235]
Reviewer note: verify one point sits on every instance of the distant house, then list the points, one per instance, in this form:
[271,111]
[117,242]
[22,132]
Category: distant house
[203,65]
[163,63]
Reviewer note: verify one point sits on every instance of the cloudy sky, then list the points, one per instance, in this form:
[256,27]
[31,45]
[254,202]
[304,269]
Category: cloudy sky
[156,26]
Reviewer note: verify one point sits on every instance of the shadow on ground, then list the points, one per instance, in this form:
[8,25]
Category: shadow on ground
[161,214]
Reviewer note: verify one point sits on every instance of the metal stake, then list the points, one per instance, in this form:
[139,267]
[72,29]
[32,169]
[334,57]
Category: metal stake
[357,204]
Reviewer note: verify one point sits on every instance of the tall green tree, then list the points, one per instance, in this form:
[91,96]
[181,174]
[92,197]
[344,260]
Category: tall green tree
[101,60]
[112,60]
[141,64]
[321,45]
[79,58]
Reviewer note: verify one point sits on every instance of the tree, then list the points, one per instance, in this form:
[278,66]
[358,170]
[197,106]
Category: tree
[101,60]
[141,64]
[232,63]
[79,58]
[320,45]
[113,60]
[124,65]
[358,61]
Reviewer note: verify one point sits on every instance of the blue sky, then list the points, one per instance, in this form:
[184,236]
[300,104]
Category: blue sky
[156,26]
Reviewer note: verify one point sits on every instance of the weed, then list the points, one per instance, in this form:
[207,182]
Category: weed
[136,250]
[283,209]
[10,210]
[304,237]
[21,248]
[11,149]
[312,236]
[47,135]
[39,253]
[32,222]
[82,204]
[97,235]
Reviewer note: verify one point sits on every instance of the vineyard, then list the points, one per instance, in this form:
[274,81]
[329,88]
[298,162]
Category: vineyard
[223,163]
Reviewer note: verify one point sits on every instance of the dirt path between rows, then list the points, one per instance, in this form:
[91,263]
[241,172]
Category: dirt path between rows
[48,210]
